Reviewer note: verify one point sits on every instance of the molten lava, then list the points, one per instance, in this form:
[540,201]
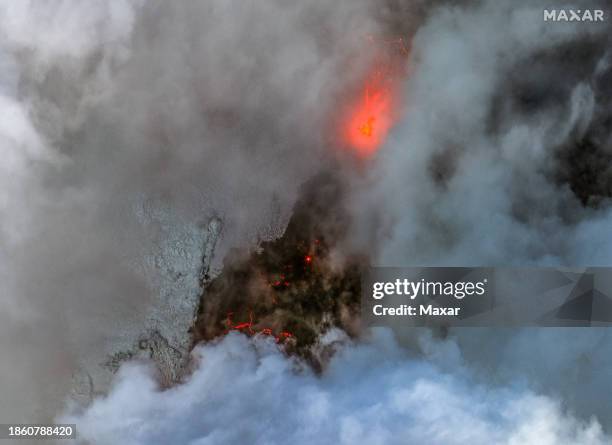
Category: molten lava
[370,120]
[247,326]
[376,109]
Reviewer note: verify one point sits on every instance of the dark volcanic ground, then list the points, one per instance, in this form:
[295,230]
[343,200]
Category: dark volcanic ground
[290,288]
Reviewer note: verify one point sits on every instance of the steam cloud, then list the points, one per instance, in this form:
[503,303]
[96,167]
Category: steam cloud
[487,158]
[222,108]
[211,109]
[503,160]
[400,400]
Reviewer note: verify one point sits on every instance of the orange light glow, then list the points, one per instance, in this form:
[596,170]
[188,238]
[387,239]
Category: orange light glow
[376,108]
[370,121]
[247,326]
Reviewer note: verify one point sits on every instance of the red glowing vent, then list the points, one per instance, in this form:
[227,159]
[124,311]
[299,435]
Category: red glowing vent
[373,113]
[370,120]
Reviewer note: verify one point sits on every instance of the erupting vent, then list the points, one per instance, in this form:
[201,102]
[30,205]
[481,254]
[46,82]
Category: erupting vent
[371,119]
[376,108]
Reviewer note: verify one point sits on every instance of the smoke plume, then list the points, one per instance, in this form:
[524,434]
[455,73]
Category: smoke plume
[503,159]
[222,109]
[399,400]
[202,110]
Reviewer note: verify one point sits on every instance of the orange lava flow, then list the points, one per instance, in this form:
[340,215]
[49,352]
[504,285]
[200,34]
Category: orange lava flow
[247,326]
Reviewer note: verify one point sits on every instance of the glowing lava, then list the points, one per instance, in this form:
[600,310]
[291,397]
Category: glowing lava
[377,106]
[371,118]
[247,326]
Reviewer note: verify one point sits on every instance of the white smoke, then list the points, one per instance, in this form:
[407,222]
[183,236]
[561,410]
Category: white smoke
[475,169]
[211,109]
[220,108]
[471,176]
[373,393]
